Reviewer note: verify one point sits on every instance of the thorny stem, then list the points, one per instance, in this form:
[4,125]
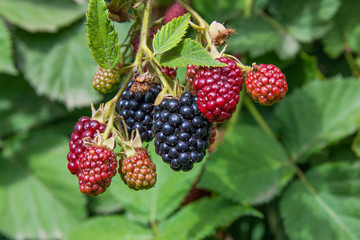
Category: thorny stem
[111,106]
[110,123]
[143,34]
[271,21]
[259,119]
[163,79]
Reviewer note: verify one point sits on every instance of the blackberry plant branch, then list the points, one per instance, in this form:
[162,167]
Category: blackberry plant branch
[162,79]
[143,34]
[258,118]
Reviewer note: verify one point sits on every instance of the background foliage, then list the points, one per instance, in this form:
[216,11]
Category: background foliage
[296,177]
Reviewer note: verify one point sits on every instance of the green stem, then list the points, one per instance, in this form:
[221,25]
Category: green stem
[258,118]
[111,106]
[162,79]
[271,21]
[239,63]
[203,25]
[110,123]
[352,64]
[247,8]
[143,34]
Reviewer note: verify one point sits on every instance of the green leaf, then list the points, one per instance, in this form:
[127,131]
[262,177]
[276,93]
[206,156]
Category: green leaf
[318,114]
[171,34]
[6,53]
[345,28]
[324,206]
[41,15]
[59,66]
[247,166]
[31,110]
[188,52]
[104,204]
[200,219]
[110,227]
[311,20]
[103,39]
[257,30]
[160,201]
[38,195]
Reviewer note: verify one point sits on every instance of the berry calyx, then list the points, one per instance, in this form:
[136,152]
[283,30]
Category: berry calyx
[174,11]
[97,166]
[181,132]
[138,171]
[218,90]
[84,128]
[106,80]
[266,84]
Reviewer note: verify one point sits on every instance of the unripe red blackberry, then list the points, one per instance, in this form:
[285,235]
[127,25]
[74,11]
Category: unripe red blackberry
[174,11]
[97,166]
[191,71]
[106,80]
[266,84]
[137,110]
[181,132]
[135,41]
[218,90]
[171,72]
[137,170]
[85,127]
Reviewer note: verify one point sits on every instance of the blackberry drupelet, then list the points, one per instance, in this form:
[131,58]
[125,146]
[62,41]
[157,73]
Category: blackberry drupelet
[137,110]
[181,132]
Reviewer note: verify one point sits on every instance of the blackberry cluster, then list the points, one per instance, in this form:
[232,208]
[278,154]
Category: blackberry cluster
[137,110]
[218,90]
[266,84]
[85,127]
[174,11]
[138,171]
[181,132]
[97,166]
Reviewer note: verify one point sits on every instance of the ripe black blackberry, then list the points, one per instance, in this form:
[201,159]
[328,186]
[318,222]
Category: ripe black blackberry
[181,132]
[137,110]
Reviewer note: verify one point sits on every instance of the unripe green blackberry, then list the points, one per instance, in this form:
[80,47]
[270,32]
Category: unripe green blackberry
[106,80]
[138,171]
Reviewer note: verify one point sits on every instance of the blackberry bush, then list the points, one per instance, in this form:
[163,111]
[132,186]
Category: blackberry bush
[266,173]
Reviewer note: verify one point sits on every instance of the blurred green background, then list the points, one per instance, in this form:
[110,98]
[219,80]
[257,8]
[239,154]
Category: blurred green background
[301,181]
